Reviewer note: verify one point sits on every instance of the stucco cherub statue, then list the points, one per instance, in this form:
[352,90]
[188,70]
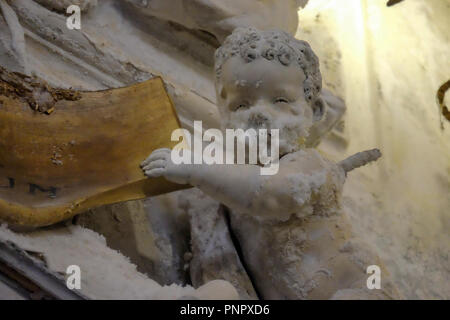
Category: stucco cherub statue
[296,242]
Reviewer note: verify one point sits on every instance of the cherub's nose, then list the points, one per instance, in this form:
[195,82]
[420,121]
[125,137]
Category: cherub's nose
[266,106]
[272,108]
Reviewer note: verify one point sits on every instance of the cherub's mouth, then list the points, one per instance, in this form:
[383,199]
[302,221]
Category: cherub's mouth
[258,121]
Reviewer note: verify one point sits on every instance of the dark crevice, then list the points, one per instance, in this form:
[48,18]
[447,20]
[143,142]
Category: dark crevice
[393,2]
[440,97]
[239,252]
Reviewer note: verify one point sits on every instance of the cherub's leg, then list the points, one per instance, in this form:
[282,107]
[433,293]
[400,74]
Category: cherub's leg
[214,255]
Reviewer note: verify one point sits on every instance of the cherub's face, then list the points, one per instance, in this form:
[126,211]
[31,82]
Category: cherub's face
[265,94]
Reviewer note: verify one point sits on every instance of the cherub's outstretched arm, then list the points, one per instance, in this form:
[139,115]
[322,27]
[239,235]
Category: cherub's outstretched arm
[243,189]
[231,184]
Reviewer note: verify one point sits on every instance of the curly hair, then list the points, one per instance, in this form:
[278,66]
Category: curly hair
[252,44]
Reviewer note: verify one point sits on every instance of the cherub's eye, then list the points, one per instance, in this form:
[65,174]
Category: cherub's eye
[281,100]
[241,105]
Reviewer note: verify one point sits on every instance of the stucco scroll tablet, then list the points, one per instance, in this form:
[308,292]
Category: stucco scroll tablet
[83,151]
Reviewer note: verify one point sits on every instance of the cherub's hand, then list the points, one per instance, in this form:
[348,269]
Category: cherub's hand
[160,164]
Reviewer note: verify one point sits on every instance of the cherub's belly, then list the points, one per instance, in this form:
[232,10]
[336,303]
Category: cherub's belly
[303,259]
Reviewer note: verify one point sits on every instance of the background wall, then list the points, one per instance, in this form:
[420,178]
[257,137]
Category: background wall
[388,63]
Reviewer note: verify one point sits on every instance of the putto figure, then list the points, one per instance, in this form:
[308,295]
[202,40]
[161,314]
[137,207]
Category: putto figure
[296,242]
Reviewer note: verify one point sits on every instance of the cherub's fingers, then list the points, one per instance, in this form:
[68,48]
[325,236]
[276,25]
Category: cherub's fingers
[145,162]
[154,173]
[155,165]
[156,155]
[162,150]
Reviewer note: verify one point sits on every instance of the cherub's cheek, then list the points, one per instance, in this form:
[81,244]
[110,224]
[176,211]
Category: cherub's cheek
[296,109]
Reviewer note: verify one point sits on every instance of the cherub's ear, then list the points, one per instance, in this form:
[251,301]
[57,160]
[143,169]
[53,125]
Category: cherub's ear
[319,109]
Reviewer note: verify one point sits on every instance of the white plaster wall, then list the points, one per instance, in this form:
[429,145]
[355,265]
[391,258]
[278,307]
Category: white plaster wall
[388,63]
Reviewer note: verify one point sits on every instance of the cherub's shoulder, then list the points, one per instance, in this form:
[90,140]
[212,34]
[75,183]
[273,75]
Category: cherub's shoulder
[304,155]
[308,161]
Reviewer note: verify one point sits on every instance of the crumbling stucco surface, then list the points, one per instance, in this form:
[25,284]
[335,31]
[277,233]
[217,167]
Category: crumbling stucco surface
[387,64]
[220,17]
[105,273]
[62,5]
